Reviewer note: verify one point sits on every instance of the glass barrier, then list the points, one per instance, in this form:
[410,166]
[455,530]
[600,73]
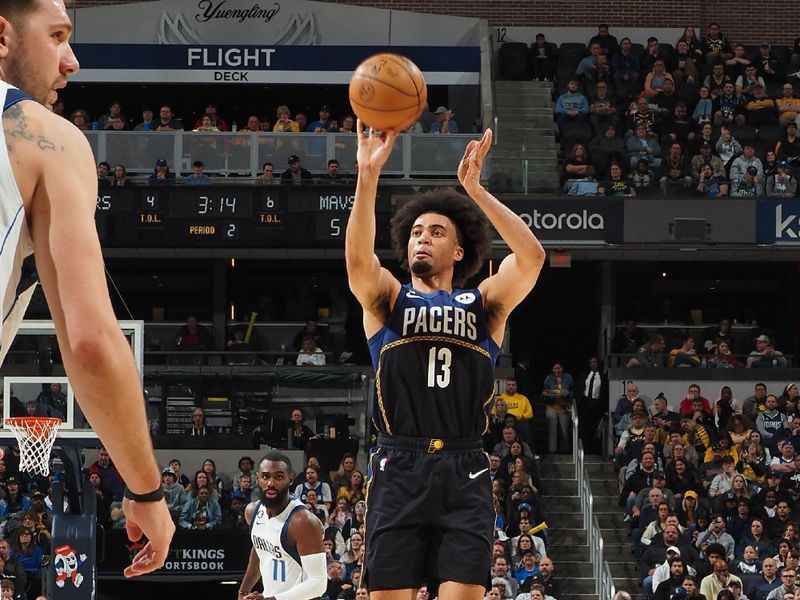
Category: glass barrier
[243,154]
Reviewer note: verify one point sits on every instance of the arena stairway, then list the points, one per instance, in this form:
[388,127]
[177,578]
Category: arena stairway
[524,113]
[567,544]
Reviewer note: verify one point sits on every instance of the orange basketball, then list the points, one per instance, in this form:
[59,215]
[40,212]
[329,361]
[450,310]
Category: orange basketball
[388,91]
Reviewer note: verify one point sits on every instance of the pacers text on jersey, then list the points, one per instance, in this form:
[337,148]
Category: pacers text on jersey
[449,320]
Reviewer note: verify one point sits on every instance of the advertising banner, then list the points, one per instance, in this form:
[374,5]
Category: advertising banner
[571,220]
[223,41]
[193,555]
[778,221]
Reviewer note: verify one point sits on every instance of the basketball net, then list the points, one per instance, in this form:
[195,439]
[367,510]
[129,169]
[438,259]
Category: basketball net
[35,436]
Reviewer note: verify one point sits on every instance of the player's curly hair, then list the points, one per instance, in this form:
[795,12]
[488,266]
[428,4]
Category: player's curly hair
[472,227]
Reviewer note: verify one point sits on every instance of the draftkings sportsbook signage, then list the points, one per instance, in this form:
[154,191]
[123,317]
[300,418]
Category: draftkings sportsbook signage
[571,220]
[193,555]
[778,221]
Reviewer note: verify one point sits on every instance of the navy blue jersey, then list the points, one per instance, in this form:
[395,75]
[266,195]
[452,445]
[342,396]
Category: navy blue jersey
[434,362]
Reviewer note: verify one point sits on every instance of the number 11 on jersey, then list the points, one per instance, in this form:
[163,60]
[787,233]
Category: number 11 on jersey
[439,361]
[278,569]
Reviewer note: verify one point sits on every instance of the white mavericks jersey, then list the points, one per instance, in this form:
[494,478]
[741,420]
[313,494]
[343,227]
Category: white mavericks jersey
[279,561]
[17,284]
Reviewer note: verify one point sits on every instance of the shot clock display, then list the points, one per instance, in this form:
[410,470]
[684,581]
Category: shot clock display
[240,217]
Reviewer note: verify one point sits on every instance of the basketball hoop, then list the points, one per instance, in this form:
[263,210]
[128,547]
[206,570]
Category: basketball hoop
[35,436]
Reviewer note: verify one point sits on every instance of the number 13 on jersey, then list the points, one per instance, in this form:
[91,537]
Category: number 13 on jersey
[439,361]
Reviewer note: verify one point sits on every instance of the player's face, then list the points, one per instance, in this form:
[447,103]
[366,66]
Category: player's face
[433,246]
[274,480]
[37,57]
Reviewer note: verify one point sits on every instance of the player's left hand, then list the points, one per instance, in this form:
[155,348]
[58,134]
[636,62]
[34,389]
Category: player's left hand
[253,596]
[151,519]
[469,169]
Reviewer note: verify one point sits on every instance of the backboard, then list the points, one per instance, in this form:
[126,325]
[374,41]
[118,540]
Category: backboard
[31,387]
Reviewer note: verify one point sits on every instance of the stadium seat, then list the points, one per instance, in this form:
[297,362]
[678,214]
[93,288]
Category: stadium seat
[768,135]
[571,50]
[668,50]
[744,134]
[784,53]
[513,61]
[751,51]
[575,133]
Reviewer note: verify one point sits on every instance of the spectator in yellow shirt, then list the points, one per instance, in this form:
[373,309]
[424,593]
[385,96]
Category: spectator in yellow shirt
[519,406]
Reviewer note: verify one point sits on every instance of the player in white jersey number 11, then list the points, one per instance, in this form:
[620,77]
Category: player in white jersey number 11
[287,553]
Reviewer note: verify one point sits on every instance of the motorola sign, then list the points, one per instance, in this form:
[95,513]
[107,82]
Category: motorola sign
[778,221]
[572,220]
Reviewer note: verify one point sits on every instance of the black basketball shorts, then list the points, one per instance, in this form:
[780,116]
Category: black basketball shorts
[429,515]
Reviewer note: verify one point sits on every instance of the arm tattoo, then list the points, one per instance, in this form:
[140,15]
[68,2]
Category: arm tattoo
[16,126]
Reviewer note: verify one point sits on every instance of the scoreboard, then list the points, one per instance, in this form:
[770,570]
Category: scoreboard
[237,217]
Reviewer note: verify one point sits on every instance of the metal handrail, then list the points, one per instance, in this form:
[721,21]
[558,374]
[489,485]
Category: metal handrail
[601,572]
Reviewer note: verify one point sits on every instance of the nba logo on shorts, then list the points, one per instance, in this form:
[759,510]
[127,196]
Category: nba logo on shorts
[465,298]
[382,464]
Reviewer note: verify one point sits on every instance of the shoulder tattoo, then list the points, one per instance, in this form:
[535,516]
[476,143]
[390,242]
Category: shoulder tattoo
[15,126]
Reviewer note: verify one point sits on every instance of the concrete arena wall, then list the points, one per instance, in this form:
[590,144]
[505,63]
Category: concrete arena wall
[741,20]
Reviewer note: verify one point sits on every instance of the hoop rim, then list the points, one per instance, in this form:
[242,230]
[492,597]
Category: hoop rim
[49,422]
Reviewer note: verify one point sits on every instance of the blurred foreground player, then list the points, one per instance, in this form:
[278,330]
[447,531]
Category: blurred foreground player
[287,551]
[48,193]
[434,347]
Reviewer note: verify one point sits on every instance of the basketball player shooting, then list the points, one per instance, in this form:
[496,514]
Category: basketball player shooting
[287,549]
[434,347]
[48,194]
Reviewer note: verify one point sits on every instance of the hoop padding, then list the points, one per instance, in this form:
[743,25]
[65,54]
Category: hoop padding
[35,436]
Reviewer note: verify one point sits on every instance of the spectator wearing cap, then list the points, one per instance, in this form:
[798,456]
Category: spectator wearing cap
[198,177]
[14,501]
[788,147]
[324,124]
[720,578]
[782,184]
[161,174]
[571,106]
[527,567]
[784,463]
[768,580]
[656,553]
[296,173]
[680,592]
[677,571]
[721,484]
[663,571]
[233,518]
[444,122]
[765,355]
[174,492]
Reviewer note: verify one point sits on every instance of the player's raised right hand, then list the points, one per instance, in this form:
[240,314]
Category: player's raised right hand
[151,519]
[374,150]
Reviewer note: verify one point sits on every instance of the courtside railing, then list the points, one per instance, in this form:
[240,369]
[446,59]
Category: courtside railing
[601,572]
